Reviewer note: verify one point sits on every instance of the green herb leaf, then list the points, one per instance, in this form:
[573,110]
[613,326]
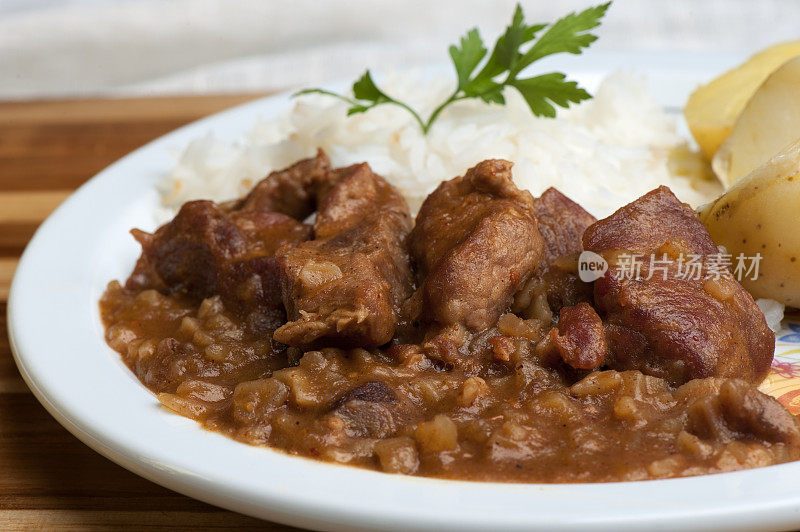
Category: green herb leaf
[508,45]
[467,56]
[505,52]
[569,34]
[485,89]
[365,89]
[355,109]
[494,96]
[539,91]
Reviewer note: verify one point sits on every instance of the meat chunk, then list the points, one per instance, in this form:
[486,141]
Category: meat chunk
[229,249]
[371,392]
[580,338]
[204,251]
[188,253]
[369,410]
[665,319]
[739,410]
[345,287]
[556,282]
[292,191]
[562,223]
[475,242]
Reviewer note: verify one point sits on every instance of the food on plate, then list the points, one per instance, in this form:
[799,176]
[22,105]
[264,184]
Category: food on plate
[462,344]
[377,316]
[713,109]
[769,123]
[758,216]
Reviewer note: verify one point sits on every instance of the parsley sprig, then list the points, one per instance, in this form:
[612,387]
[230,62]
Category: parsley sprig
[507,61]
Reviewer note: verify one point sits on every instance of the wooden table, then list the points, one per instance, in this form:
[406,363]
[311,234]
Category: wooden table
[49,479]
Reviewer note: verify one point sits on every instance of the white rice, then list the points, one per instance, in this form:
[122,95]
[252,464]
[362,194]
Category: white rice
[773,312]
[603,153]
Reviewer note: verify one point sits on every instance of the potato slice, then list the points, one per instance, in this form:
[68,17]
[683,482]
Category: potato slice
[712,109]
[769,122]
[758,215]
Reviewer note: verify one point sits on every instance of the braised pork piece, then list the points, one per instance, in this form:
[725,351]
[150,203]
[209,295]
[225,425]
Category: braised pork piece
[678,327]
[344,288]
[462,345]
[475,242]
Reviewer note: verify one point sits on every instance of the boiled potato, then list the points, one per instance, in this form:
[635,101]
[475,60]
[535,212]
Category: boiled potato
[760,214]
[712,109]
[769,122]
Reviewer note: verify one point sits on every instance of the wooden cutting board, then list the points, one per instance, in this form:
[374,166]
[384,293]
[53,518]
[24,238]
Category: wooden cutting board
[48,479]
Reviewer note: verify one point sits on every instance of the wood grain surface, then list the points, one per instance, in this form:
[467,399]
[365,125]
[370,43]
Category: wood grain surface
[48,479]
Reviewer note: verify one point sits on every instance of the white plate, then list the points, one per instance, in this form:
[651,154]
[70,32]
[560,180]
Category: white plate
[57,339]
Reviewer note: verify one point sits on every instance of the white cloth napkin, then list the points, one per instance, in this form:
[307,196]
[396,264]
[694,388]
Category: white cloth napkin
[86,47]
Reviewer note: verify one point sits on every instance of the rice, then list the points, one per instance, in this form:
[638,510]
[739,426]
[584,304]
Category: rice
[773,312]
[603,153]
